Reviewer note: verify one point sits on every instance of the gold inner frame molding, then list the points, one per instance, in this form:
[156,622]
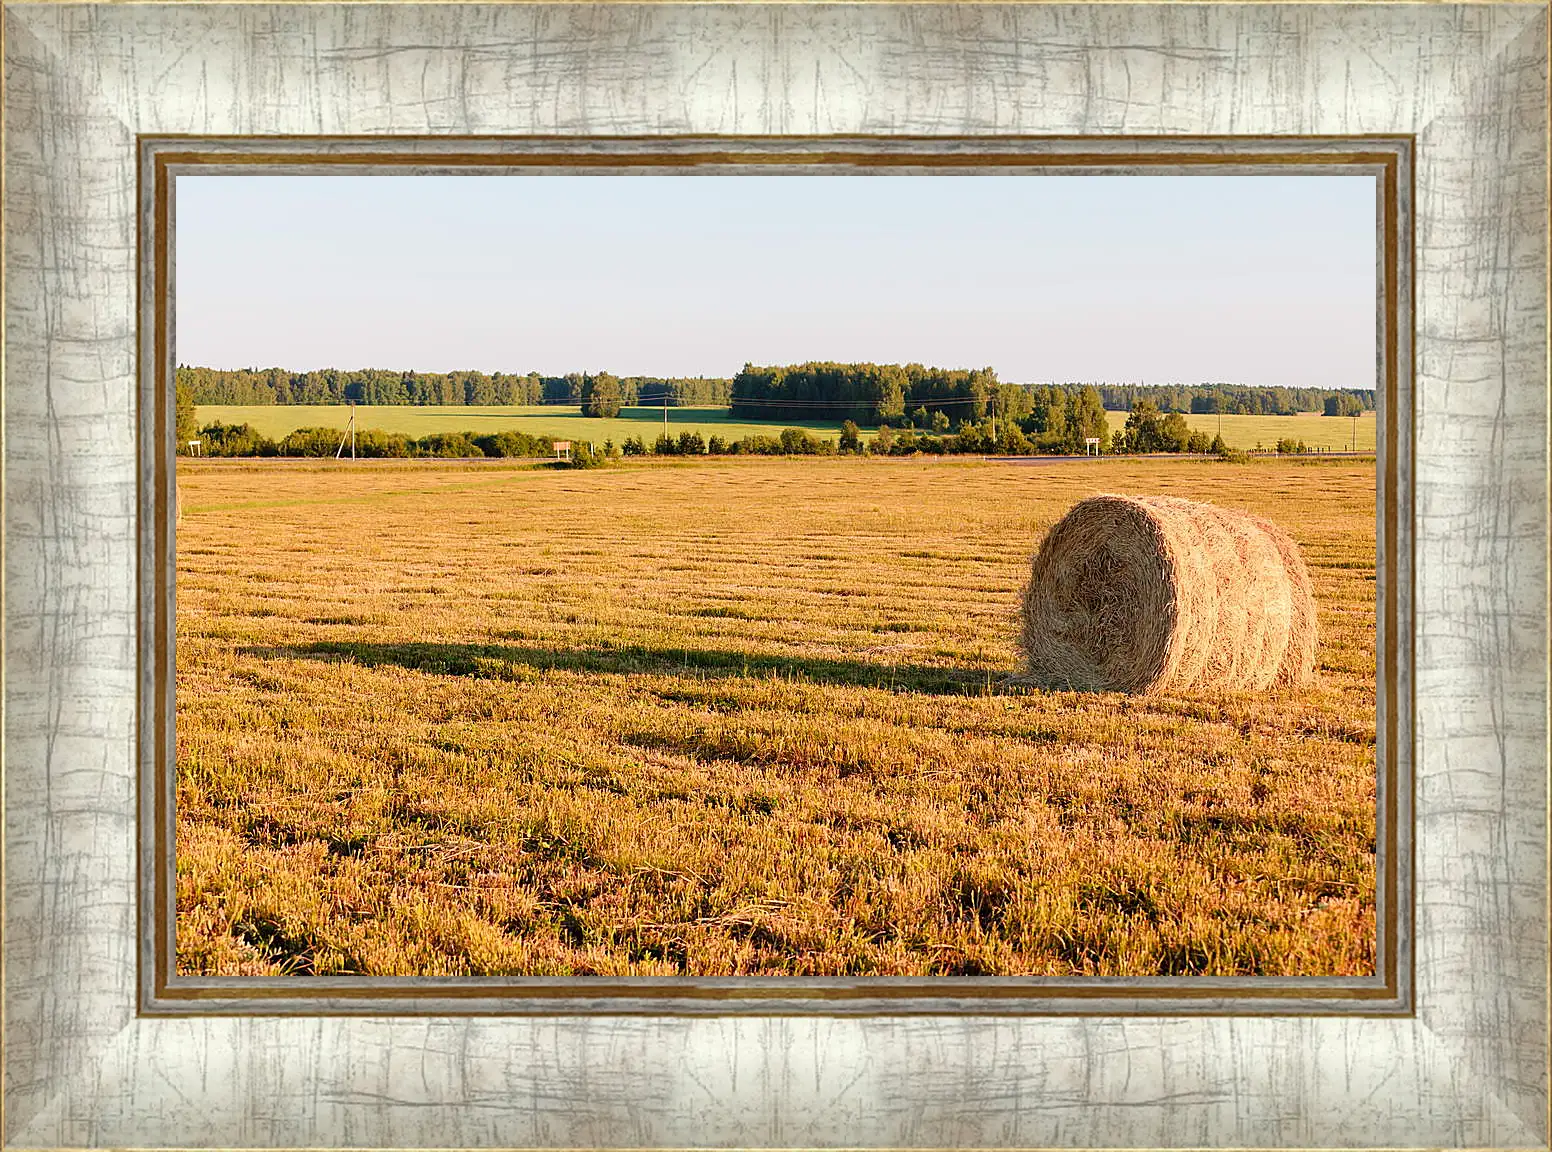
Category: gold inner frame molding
[1388,992]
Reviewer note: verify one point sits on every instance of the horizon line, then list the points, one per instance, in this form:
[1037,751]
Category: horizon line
[703,376]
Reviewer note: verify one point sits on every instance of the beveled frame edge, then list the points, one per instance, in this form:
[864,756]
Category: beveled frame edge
[5,603]
[1391,158]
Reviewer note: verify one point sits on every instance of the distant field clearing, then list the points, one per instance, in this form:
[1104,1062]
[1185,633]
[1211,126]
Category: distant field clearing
[1333,433]
[563,421]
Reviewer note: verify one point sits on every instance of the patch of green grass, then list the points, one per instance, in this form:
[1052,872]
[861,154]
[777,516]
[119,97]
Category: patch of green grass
[1331,433]
[565,422]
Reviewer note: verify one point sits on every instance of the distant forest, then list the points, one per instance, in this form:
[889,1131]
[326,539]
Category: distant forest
[887,393]
[1236,399]
[867,393]
[474,389]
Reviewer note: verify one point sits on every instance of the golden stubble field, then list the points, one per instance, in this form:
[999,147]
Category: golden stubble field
[738,717]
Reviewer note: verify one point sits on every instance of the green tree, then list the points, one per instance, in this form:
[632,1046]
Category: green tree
[1060,433]
[1144,431]
[1174,433]
[219,439]
[1011,440]
[582,456]
[1086,420]
[185,421]
[891,404]
[373,443]
[1011,402]
[601,395]
[884,441]
[448,445]
[798,442]
[510,443]
[311,442]
[976,438]
[982,387]
[851,436]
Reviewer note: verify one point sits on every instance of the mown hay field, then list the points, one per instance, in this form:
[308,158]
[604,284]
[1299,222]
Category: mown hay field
[738,717]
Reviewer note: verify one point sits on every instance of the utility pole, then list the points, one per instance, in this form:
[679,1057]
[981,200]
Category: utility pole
[350,431]
[1355,432]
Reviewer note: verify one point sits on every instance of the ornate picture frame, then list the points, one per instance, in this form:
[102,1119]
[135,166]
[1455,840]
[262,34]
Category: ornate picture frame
[1384,162]
[1453,1055]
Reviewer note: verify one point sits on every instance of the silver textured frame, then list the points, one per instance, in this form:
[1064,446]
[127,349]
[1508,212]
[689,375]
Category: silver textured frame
[1468,1068]
[1387,162]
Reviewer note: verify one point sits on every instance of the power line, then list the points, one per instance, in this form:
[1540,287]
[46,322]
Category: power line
[768,402]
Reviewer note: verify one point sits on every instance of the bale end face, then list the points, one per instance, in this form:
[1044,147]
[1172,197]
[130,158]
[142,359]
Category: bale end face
[1099,609]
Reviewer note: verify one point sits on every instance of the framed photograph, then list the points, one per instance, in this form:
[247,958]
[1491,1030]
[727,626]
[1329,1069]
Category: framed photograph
[617,575]
[846,799]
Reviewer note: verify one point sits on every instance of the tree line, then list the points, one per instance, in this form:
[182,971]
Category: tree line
[887,393]
[1236,399]
[496,389]
[871,394]
[1147,430]
[867,393]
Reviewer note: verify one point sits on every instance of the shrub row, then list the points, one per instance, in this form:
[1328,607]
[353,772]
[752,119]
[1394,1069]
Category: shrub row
[975,439]
[244,440]
[972,439]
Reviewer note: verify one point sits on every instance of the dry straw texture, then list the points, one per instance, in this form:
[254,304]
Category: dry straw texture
[433,721]
[1139,594]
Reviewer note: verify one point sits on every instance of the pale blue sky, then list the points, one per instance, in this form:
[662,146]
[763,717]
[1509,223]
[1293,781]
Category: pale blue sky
[1264,280]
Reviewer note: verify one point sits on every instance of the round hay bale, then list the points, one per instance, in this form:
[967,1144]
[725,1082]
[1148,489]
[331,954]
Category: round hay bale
[1143,593]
